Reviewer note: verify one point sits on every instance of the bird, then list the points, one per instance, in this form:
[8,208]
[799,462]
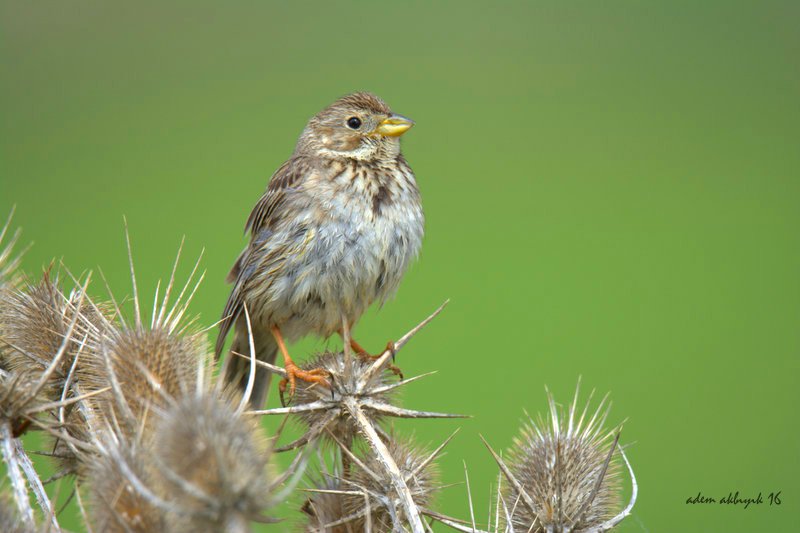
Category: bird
[336,229]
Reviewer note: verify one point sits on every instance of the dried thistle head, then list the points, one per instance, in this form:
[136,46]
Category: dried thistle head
[358,386]
[563,473]
[121,370]
[198,466]
[325,508]
[212,463]
[143,366]
[119,478]
[44,332]
[360,395]
[365,497]
[372,496]
[42,329]
[346,378]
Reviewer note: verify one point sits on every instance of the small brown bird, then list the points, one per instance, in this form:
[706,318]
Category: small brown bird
[334,232]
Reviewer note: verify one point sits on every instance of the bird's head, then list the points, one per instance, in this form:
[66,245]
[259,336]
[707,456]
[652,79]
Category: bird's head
[357,126]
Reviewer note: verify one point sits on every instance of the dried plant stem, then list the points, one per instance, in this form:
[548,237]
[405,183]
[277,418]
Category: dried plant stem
[386,460]
[36,484]
[18,486]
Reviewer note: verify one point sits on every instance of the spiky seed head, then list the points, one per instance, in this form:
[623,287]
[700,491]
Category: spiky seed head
[35,321]
[144,367]
[326,509]
[114,478]
[559,462]
[202,442]
[384,502]
[345,373]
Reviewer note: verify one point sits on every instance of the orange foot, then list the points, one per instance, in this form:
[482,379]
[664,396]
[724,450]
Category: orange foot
[366,355]
[293,372]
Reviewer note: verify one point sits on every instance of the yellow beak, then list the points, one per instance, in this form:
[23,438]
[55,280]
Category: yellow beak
[394,126]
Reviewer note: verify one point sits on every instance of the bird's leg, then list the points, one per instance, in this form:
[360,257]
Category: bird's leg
[293,372]
[365,355]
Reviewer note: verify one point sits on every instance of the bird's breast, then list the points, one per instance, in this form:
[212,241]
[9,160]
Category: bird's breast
[371,222]
[367,226]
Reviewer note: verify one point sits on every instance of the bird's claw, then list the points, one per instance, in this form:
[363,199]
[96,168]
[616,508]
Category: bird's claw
[390,348]
[293,373]
[331,383]
[395,369]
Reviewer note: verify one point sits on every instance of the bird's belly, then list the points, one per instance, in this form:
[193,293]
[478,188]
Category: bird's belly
[350,262]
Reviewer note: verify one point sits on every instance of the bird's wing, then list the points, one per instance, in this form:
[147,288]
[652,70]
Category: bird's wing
[267,210]
[265,216]
[234,305]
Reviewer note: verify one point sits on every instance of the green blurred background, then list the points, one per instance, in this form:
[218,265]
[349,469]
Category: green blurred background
[611,191]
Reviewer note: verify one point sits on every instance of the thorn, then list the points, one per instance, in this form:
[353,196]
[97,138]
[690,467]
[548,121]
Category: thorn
[588,503]
[302,408]
[282,390]
[526,499]
[377,366]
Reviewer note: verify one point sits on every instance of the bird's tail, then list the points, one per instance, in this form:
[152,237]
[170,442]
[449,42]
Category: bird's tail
[237,370]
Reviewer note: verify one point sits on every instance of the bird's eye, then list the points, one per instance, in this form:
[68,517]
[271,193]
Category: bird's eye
[353,123]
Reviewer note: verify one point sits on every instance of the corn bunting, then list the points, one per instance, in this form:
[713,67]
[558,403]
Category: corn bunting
[334,232]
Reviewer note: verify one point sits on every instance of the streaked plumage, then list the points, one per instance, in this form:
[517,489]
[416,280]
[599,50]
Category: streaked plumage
[334,232]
